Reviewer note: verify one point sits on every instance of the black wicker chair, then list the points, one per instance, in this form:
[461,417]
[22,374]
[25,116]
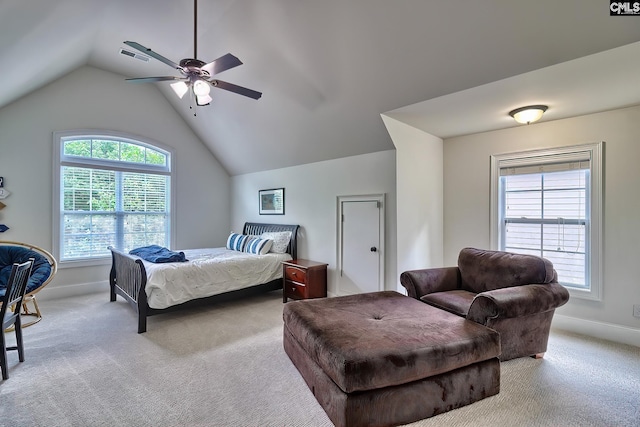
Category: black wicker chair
[44,268]
[10,311]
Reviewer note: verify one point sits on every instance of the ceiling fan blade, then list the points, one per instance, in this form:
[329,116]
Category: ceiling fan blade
[236,89]
[151,53]
[221,64]
[152,79]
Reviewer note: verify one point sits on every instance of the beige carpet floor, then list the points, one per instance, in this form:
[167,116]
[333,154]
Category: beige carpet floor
[224,365]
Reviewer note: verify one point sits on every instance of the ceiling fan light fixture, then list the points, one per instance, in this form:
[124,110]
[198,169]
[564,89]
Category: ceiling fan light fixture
[528,114]
[180,88]
[203,100]
[201,88]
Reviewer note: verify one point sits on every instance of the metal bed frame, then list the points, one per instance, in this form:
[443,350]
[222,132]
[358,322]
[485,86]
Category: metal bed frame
[128,278]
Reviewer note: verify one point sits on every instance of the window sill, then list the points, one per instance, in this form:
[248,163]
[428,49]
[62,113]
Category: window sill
[84,263]
[585,294]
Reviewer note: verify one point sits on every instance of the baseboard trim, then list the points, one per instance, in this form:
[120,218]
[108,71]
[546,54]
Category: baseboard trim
[602,330]
[66,291]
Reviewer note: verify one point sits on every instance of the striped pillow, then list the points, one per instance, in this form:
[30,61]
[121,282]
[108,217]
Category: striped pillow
[236,242]
[258,246]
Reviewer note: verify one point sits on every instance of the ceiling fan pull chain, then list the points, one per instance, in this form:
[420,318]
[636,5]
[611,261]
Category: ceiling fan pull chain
[191,102]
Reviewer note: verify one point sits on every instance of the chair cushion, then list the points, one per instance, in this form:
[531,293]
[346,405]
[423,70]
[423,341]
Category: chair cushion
[456,302]
[374,340]
[484,270]
[11,254]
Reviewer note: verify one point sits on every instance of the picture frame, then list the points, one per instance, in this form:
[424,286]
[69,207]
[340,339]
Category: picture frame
[271,201]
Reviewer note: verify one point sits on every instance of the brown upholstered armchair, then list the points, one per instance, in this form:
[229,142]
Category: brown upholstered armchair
[513,294]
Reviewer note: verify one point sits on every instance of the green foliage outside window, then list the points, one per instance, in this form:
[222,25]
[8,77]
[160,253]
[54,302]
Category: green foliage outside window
[105,149]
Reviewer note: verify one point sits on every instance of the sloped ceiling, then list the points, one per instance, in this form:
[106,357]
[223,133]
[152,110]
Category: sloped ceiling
[327,68]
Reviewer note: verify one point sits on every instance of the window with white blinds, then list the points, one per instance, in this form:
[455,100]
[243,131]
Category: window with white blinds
[113,191]
[547,203]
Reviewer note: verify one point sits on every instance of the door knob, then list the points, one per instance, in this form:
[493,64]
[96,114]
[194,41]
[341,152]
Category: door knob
[374,249]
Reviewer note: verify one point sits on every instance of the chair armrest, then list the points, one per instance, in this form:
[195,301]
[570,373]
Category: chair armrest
[517,301]
[430,280]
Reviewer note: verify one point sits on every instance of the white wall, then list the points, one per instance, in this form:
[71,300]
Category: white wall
[466,205]
[419,180]
[96,99]
[311,193]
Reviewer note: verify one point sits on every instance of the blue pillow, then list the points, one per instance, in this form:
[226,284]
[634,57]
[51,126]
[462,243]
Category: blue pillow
[236,242]
[258,246]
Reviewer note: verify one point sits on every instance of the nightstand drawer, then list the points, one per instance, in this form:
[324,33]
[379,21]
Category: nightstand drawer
[295,274]
[295,290]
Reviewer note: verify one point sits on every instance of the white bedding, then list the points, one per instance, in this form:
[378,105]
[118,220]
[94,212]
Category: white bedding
[208,272]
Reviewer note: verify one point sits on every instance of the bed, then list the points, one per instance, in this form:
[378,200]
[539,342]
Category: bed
[152,288]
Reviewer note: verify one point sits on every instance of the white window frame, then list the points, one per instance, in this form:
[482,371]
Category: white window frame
[59,160]
[594,152]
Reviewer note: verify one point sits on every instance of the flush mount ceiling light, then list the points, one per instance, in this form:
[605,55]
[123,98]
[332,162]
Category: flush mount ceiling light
[528,114]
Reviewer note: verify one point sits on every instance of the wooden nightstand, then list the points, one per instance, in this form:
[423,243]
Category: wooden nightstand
[303,279]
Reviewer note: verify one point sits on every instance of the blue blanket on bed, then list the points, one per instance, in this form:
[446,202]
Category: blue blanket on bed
[158,254]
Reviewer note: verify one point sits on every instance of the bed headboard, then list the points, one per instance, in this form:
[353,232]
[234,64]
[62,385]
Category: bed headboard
[256,228]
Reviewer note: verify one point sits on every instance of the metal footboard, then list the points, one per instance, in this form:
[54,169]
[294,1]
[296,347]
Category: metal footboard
[128,279]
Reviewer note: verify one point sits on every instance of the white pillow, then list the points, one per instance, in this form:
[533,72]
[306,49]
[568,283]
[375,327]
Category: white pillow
[258,246]
[280,240]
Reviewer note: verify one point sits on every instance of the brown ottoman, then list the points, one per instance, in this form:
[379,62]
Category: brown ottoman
[382,358]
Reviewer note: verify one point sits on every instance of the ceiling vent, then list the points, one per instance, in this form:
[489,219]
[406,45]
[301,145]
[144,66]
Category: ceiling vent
[135,55]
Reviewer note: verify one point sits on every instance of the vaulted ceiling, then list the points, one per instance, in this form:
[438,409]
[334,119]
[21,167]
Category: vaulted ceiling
[327,68]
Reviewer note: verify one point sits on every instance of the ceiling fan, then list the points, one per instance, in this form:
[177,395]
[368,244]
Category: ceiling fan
[196,75]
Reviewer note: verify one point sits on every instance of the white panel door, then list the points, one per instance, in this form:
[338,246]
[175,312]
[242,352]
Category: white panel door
[361,251]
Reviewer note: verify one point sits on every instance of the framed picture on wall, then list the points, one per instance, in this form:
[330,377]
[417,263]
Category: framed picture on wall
[271,202]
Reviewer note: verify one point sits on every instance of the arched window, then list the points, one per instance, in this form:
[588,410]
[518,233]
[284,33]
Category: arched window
[112,190]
